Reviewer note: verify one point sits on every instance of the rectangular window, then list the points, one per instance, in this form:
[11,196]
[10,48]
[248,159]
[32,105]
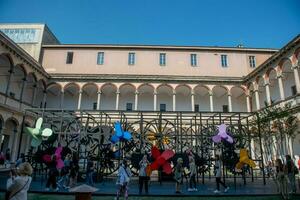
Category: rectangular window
[196,108]
[225,108]
[131,58]
[224,61]
[95,106]
[162,59]
[69,58]
[194,59]
[129,106]
[252,61]
[294,90]
[100,58]
[162,107]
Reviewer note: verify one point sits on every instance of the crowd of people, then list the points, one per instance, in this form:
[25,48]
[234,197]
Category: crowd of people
[283,173]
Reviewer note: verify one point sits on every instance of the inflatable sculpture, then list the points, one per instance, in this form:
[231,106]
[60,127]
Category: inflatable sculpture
[222,135]
[120,134]
[244,160]
[161,160]
[38,133]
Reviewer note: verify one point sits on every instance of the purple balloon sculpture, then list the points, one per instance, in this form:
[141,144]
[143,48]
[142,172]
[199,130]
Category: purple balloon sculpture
[222,134]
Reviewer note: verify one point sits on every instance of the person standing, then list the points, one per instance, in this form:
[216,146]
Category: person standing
[17,186]
[90,172]
[291,172]
[192,175]
[7,157]
[178,173]
[218,174]
[143,177]
[282,180]
[52,175]
[123,179]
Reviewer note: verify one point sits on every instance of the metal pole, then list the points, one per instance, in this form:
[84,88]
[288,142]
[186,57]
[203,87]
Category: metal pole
[261,149]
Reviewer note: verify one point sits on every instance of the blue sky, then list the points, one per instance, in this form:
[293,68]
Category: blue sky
[254,23]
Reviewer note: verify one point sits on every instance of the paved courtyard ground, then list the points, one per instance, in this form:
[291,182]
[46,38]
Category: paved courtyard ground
[165,191]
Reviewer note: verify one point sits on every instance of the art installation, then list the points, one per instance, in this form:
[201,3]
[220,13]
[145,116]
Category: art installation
[38,133]
[244,160]
[58,156]
[222,135]
[120,134]
[161,160]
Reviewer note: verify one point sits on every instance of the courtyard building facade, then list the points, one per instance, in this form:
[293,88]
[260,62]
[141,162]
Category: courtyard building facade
[39,72]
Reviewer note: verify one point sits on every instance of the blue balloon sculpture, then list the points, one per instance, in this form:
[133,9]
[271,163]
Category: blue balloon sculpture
[120,134]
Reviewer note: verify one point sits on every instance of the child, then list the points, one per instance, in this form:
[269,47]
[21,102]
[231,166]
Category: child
[124,175]
[178,175]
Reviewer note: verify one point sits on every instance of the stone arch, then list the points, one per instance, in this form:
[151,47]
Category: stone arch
[71,94]
[164,97]
[9,134]
[288,77]
[296,56]
[108,96]
[89,96]
[183,97]
[30,88]
[201,93]
[146,99]
[127,96]
[238,99]
[273,84]
[260,81]
[220,98]
[40,92]
[6,68]
[17,81]
[54,95]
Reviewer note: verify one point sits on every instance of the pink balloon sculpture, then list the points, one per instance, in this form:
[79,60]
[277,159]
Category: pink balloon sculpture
[59,161]
[222,135]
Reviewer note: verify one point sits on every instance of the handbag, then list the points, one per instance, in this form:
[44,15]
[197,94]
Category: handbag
[11,194]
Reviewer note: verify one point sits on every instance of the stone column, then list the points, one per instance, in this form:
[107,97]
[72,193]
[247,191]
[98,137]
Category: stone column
[154,100]
[229,102]
[248,103]
[62,95]
[33,95]
[8,84]
[280,85]
[211,101]
[296,75]
[257,99]
[193,100]
[22,90]
[268,96]
[98,99]
[79,100]
[136,99]
[117,99]
[44,98]
[174,100]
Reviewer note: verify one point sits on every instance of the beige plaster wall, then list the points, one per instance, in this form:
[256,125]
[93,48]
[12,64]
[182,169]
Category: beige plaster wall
[147,62]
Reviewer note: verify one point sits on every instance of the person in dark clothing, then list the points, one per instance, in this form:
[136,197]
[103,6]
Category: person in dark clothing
[143,176]
[7,157]
[291,169]
[52,174]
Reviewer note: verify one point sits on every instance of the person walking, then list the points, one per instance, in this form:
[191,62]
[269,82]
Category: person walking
[192,175]
[90,172]
[178,173]
[17,186]
[143,177]
[218,174]
[281,178]
[291,172]
[52,175]
[123,179]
